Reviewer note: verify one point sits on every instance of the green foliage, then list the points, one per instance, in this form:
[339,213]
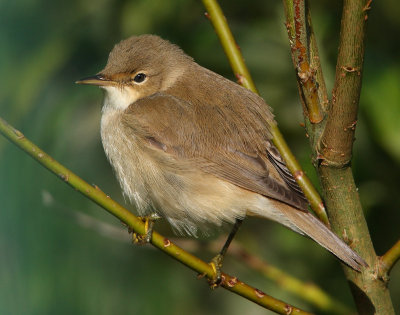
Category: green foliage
[382,96]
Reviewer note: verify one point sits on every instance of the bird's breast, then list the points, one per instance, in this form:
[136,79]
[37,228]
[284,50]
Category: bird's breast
[127,157]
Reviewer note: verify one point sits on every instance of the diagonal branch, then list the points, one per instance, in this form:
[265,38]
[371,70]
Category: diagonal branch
[134,223]
[235,57]
[307,291]
[231,48]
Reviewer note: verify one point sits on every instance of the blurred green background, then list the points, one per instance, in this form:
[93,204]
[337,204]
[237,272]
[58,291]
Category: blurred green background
[62,254]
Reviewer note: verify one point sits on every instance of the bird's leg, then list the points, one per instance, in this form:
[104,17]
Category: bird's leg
[216,262]
[143,239]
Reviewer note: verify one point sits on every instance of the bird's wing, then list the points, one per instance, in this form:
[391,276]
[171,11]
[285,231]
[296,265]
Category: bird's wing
[218,142]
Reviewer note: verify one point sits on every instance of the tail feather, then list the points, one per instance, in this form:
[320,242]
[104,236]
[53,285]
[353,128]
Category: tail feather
[316,230]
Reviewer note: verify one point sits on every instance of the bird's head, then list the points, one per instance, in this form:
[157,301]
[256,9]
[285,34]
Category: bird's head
[137,67]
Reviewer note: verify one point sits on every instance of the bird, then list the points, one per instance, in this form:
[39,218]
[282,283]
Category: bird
[195,148]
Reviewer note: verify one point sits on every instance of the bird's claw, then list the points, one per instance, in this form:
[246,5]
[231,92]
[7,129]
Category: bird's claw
[216,265]
[143,239]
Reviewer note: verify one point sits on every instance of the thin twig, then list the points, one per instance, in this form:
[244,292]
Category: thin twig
[306,61]
[305,74]
[389,259]
[135,224]
[218,20]
[310,292]
[235,58]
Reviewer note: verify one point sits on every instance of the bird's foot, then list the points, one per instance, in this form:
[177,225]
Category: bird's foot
[216,264]
[143,239]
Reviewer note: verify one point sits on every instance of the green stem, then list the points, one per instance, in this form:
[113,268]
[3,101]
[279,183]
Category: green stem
[332,144]
[370,293]
[346,215]
[388,260]
[235,58]
[239,67]
[135,224]
[307,291]
[337,139]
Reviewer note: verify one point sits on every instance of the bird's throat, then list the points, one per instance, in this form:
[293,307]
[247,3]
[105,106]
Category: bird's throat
[117,97]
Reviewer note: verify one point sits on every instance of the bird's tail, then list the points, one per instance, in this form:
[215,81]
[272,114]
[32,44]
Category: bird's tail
[309,225]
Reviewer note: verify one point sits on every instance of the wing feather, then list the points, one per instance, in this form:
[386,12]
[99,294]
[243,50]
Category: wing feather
[217,142]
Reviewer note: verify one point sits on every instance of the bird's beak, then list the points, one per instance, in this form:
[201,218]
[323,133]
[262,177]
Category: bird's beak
[97,79]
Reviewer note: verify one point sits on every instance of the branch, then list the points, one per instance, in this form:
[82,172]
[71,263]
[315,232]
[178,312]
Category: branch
[235,57]
[338,135]
[135,224]
[306,61]
[309,292]
[334,149]
[388,260]
[300,54]
[215,15]
[337,140]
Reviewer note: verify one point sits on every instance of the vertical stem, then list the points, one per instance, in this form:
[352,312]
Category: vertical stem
[346,215]
[306,61]
[370,294]
[332,140]
[337,140]
[305,73]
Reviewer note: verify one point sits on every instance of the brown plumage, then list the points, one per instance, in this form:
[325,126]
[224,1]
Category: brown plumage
[194,147]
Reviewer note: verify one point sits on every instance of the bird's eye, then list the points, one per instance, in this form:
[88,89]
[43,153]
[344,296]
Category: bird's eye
[139,78]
